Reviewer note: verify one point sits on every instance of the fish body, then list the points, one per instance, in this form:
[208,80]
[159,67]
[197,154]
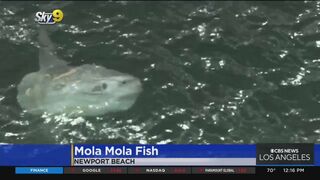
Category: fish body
[87,90]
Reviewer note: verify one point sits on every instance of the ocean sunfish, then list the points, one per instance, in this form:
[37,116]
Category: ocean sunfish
[86,90]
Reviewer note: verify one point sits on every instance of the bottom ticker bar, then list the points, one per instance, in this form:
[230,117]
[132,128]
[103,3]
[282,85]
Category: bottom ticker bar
[209,170]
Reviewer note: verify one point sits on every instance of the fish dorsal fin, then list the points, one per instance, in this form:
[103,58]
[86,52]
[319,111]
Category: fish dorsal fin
[47,57]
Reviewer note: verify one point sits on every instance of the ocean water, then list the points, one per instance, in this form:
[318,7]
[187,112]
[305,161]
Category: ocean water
[212,72]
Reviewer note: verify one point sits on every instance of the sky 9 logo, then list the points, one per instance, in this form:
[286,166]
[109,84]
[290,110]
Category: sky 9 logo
[49,18]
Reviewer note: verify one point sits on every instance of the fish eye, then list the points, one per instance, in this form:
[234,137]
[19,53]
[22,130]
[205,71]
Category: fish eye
[104,86]
[124,82]
[101,87]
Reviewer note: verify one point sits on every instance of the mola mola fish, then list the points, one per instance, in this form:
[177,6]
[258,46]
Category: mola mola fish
[86,90]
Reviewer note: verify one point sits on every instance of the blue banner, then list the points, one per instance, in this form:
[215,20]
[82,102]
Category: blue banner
[164,151]
[317,154]
[35,155]
[61,155]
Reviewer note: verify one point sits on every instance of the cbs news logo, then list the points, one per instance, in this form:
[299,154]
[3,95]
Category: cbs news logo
[49,18]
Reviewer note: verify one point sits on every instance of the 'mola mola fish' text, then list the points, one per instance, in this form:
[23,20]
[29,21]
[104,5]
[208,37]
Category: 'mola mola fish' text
[116,151]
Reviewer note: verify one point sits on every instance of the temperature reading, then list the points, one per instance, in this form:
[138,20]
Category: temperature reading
[271,170]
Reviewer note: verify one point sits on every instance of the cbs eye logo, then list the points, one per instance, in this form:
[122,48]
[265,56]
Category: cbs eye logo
[49,18]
